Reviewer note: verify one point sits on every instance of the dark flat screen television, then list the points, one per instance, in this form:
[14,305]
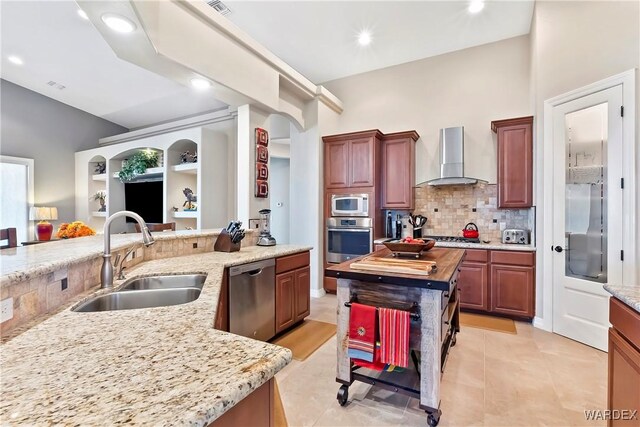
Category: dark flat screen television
[145,199]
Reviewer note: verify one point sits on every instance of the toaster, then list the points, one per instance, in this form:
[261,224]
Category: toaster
[514,235]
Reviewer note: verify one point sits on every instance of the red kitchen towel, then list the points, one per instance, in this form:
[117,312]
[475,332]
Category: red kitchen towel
[362,332]
[394,337]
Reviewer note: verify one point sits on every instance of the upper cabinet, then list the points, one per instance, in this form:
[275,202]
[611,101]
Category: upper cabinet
[398,170]
[515,162]
[351,160]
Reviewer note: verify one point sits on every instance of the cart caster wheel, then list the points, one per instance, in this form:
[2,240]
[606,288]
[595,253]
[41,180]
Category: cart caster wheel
[433,419]
[343,395]
[453,341]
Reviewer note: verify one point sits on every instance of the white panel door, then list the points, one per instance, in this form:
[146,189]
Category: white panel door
[587,210]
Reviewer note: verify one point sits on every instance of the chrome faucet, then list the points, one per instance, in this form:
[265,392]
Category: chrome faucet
[106,274]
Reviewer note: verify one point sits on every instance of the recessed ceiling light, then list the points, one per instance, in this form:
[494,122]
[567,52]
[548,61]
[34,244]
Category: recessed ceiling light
[15,60]
[199,83]
[476,6]
[83,14]
[364,38]
[118,23]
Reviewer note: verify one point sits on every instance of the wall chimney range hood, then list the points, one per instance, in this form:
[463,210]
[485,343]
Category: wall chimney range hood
[452,159]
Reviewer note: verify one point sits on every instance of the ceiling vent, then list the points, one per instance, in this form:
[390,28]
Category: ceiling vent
[56,85]
[219,7]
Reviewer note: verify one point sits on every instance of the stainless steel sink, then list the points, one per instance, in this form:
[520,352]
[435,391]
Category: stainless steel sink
[140,299]
[166,282]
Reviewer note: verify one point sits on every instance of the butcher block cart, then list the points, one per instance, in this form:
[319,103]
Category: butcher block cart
[431,296]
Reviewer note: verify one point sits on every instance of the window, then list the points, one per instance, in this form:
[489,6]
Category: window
[16,195]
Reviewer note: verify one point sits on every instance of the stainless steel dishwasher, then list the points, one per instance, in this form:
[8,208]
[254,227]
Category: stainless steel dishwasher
[252,299]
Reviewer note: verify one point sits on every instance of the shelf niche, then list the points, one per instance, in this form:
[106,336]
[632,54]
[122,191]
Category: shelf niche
[180,176]
[97,182]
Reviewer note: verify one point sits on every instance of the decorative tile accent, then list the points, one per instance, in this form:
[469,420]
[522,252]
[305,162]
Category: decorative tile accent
[450,208]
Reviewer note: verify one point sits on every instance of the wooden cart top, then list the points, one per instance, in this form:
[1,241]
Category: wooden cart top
[446,259]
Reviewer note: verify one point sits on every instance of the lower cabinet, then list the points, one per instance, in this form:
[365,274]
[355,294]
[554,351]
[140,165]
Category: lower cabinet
[473,286]
[623,396]
[293,294]
[501,282]
[512,290]
[257,409]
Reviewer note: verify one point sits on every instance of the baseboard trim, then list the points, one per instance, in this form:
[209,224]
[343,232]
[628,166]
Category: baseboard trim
[539,323]
[317,293]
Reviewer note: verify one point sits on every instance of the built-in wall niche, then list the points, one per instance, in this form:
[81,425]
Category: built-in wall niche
[146,198]
[182,174]
[97,185]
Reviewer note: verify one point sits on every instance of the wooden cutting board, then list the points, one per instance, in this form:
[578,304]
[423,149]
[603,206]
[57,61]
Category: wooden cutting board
[395,265]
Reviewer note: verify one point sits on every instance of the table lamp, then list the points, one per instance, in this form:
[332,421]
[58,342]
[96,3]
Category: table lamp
[44,229]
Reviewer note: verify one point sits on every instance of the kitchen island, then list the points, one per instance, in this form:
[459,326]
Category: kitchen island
[434,302]
[152,366]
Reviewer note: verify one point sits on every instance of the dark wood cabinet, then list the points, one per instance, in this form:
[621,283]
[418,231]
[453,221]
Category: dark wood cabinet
[623,392]
[293,290]
[362,162]
[352,160]
[501,282]
[515,162]
[222,313]
[512,290]
[302,280]
[473,286]
[336,164]
[398,170]
[256,410]
[285,301]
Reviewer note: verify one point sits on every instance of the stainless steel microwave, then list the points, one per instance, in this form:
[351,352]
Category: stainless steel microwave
[350,205]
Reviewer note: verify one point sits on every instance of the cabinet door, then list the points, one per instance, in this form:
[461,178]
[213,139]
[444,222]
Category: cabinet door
[303,293]
[398,173]
[624,378]
[473,285]
[285,301]
[511,290]
[336,164]
[362,162]
[515,166]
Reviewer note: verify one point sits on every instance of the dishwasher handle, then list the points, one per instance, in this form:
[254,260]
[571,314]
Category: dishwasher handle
[252,268]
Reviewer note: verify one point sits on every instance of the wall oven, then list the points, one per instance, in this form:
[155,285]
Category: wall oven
[348,238]
[350,205]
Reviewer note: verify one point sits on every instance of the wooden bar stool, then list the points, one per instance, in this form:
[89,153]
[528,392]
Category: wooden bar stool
[158,227]
[9,234]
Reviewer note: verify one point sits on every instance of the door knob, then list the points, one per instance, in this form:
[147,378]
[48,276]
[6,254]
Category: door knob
[558,249]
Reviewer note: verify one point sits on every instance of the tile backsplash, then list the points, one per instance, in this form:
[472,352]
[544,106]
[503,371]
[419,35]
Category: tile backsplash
[450,208]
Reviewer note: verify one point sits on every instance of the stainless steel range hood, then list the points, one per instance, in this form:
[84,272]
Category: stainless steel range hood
[452,159]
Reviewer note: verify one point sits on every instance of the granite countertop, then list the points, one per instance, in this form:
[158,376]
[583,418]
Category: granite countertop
[492,246]
[629,295]
[23,262]
[159,366]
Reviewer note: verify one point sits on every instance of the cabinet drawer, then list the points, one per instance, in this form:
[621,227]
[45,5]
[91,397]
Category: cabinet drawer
[526,259]
[291,262]
[625,320]
[476,255]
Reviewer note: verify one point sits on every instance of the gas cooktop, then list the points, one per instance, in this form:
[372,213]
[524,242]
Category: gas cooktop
[456,239]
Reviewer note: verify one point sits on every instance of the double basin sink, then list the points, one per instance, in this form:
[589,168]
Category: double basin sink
[147,292]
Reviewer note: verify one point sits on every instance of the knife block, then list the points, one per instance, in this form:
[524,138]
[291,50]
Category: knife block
[224,243]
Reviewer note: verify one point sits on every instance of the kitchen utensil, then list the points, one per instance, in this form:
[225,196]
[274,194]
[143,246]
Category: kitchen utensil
[420,221]
[394,265]
[471,231]
[409,249]
[515,235]
[265,238]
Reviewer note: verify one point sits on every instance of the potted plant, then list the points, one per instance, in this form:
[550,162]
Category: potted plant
[138,164]
[101,196]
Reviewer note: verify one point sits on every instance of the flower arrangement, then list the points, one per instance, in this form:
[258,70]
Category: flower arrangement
[74,229]
[101,196]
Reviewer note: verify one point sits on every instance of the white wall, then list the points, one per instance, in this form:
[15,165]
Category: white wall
[574,44]
[280,180]
[470,87]
[50,132]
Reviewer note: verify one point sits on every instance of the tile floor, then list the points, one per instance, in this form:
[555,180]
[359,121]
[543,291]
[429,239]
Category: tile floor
[534,378]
